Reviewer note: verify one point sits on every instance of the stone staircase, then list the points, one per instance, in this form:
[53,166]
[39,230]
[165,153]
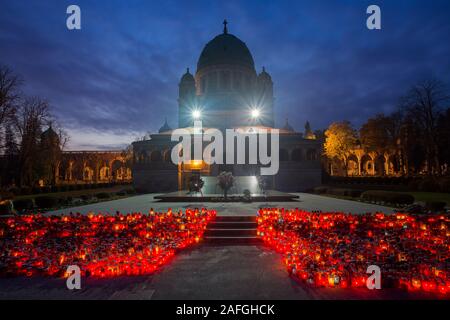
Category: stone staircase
[232,230]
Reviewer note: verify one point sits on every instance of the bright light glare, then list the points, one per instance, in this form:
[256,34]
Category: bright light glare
[255,113]
[196,114]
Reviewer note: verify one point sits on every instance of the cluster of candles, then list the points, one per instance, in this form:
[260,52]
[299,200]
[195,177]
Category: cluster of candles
[101,245]
[335,249]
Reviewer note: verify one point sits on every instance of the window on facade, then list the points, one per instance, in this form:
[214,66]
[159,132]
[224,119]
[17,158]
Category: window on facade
[213,81]
[225,80]
[237,81]
[203,85]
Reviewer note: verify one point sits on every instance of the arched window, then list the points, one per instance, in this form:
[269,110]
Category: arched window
[225,81]
[168,156]
[156,156]
[311,154]
[284,155]
[297,155]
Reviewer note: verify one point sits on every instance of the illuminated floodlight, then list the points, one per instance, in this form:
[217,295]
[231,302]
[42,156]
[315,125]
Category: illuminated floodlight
[255,113]
[196,114]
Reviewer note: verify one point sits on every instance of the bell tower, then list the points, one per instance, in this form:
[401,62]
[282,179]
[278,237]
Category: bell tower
[186,98]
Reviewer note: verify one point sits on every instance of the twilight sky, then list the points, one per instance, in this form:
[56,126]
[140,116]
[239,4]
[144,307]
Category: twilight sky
[117,78]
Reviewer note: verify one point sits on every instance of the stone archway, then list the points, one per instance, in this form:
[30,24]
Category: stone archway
[311,154]
[284,155]
[297,154]
[155,156]
[353,168]
[367,165]
[380,165]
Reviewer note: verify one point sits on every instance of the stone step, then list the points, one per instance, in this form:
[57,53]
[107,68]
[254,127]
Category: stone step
[231,241]
[235,219]
[232,230]
[240,232]
[233,225]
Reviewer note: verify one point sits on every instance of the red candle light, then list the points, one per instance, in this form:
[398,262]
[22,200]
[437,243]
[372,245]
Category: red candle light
[335,249]
[103,246]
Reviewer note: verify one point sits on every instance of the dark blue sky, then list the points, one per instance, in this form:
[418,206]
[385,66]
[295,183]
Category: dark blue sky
[117,78]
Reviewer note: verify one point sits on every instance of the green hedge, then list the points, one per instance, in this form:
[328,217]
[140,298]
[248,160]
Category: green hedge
[338,191]
[131,191]
[435,205]
[86,197]
[387,197]
[103,195]
[23,204]
[6,208]
[320,190]
[46,202]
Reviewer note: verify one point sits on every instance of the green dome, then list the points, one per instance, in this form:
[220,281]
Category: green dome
[225,49]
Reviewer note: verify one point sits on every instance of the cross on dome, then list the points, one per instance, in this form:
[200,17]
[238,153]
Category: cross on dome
[225,29]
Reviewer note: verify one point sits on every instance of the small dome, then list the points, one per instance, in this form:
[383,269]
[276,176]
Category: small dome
[264,75]
[309,134]
[187,77]
[165,127]
[49,134]
[225,49]
[287,126]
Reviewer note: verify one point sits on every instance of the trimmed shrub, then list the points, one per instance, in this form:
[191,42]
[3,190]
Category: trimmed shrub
[429,184]
[23,204]
[6,195]
[345,192]
[354,193]
[320,190]
[131,191]
[435,205]
[445,185]
[103,195]
[86,197]
[46,202]
[46,189]
[66,200]
[25,190]
[121,193]
[14,190]
[6,208]
[337,191]
[36,190]
[387,197]
[414,185]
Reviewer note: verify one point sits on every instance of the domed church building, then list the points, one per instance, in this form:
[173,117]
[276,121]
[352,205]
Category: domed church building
[226,92]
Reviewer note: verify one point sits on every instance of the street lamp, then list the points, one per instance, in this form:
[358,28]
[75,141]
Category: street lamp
[255,113]
[196,114]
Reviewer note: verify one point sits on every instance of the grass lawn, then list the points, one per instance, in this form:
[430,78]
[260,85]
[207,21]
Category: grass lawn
[418,196]
[431,196]
[77,193]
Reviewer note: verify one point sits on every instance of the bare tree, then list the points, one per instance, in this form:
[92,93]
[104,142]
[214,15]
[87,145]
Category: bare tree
[9,93]
[424,104]
[32,114]
[63,136]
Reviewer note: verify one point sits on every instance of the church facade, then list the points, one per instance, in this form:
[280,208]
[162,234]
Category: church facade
[226,92]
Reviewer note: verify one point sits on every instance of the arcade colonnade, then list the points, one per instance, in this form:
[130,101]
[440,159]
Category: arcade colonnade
[93,167]
[362,163]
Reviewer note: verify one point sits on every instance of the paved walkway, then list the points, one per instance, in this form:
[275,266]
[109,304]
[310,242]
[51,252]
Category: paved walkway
[143,203]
